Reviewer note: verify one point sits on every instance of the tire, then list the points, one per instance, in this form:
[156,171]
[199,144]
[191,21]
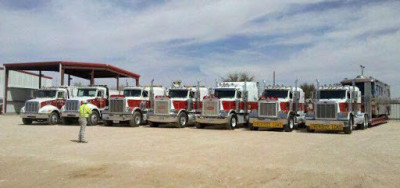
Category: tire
[364,124]
[65,121]
[349,129]
[200,125]
[252,128]
[152,124]
[53,118]
[107,123]
[93,118]
[27,121]
[136,120]
[289,126]
[232,123]
[182,120]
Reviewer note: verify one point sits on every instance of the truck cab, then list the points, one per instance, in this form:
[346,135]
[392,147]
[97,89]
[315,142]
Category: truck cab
[132,106]
[279,107]
[229,103]
[46,106]
[336,108]
[179,106]
[97,98]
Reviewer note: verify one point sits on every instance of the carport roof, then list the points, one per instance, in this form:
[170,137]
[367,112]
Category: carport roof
[78,69]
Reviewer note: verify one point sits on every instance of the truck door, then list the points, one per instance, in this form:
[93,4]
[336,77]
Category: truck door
[60,101]
[101,99]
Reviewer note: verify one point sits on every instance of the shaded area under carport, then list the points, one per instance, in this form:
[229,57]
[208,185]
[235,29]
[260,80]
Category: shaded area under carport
[84,70]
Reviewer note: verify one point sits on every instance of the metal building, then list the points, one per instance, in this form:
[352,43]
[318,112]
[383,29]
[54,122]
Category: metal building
[84,70]
[22,85]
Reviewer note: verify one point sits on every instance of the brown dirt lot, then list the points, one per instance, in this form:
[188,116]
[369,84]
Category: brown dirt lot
[47,156]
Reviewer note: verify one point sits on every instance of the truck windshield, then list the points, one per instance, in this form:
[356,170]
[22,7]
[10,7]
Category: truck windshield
[86,93]
[178,93]
[224,93]
[133,93]
[273,93]
[332,94]
[46,93]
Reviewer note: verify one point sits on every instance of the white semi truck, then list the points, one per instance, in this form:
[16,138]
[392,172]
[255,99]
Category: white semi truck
[229,104]
[132,106]
[179,106]
[97,98]
[279,107]
[46,106]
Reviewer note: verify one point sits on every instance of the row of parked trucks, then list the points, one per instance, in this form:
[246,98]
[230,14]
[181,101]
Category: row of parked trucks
[358,102]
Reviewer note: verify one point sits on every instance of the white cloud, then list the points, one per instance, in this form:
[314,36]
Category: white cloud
[142,40]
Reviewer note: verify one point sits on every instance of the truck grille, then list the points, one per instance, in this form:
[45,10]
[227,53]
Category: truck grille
[32,107]
[161,107]
[267,109]
[325,111]
[210,108]
[72,105]
[117,105]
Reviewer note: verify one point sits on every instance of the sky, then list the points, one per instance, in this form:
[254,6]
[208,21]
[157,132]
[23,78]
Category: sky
[203,40]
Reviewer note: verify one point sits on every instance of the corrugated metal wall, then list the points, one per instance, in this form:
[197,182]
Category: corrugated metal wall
[21,88]
[395,111]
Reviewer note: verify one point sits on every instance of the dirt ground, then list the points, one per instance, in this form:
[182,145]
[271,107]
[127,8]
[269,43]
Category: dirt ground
[48,156]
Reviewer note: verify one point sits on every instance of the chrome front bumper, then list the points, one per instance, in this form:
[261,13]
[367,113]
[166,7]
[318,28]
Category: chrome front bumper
[163,118]
[35,116]
[284,121]
[70,114]
[212,120]
[326,122]
[117,116]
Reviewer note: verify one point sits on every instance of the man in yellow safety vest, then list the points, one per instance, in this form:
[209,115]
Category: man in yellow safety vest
[84,112]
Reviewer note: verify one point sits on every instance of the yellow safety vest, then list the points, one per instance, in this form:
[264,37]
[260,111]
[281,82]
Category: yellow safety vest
[84,111]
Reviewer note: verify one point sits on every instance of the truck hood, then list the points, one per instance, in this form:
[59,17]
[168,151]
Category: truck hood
[41,100]
[82,98]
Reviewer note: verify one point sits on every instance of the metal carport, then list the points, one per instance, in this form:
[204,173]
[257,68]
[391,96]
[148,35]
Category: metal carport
[84,70]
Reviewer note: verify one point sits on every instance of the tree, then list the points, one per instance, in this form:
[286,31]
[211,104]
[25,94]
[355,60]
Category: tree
[238,77]
[77,84]
[308,89]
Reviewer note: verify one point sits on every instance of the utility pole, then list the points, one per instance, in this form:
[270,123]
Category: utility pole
[273,78]
[362,70]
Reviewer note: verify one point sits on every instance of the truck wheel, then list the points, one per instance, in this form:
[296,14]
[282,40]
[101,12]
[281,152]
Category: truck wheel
[364,124]
[27,121]
[349,129]
[152,124]
[53,118]
[290,125]
[136,120]
[252,128]
[65,121]
[107,123]
[200,125]
[232,123]
[93,118]
[182,120]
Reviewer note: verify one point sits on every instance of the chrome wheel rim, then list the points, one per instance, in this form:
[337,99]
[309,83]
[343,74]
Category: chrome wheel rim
[94,118]
[137,120]
[54,118]
[291,124]
[233,122]
[183,120]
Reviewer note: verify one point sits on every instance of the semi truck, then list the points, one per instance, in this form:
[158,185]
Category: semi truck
[46,106]
[132,106]
[229,104]
[279,107]
[179,106]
